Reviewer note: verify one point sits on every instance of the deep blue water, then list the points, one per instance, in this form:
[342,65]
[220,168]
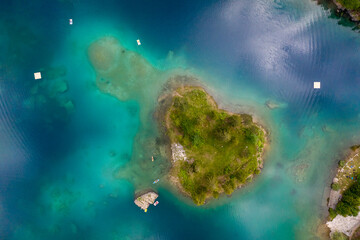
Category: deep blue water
[57,166]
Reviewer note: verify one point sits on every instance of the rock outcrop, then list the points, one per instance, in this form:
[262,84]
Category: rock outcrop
[334,198]
[144,200]
[178,152]
[345,225]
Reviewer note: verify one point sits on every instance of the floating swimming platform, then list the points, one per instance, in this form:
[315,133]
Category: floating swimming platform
[37,75]
[316,85]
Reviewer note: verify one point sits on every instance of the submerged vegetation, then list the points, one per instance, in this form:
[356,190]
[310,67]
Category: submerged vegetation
[223,150]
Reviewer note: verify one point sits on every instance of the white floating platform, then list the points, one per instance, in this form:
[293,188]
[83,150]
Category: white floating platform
[70,21]
[316,85]
[37,75]
[138,42]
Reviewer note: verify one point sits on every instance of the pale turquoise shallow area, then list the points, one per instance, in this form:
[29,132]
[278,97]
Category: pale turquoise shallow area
[57,167]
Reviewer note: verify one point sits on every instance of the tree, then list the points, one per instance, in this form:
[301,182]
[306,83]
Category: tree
[342,163]
[339,236]
[335,186]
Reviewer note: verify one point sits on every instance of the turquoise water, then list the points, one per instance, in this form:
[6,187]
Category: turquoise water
[59,165]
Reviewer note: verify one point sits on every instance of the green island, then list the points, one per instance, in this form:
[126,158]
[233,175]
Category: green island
[344,200]
[219,151]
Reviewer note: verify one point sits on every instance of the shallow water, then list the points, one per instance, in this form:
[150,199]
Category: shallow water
[59,167]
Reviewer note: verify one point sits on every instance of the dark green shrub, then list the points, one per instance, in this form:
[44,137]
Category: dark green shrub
[350,201]
[342,163]
[355,147]
[215,194]
[338,236]
[332,213]
[351,4]
[335,186]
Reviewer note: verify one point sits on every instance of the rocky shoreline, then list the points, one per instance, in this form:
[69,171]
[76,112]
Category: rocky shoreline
[178,152]
[340,224]
[353,15]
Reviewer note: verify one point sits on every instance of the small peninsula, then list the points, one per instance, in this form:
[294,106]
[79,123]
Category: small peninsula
[213,151]
[344,199]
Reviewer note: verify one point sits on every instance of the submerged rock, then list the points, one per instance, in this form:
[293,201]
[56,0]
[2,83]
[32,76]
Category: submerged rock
[54,72]
[68,105]
[144,200]
[274,105]
[39,100]
[299,171]
[34,90]
[60,86]
[326,129]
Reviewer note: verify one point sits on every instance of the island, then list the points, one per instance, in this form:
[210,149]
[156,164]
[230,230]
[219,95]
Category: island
[344,198]
[213,151]
[349,7]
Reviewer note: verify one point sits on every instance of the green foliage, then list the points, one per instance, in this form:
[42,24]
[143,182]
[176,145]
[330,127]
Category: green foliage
[342,163]
[247,119]
[350,201]
[332,213]
[350,4]
[229,187]
[224,146]
[354,147]
[215,194]
[339,236]
[335,186]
